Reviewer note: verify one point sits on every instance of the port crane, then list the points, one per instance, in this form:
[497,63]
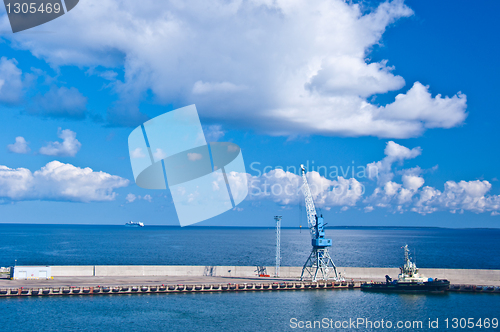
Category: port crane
[319,264]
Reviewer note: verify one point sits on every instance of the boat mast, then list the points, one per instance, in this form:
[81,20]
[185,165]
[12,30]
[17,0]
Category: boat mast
[409,268]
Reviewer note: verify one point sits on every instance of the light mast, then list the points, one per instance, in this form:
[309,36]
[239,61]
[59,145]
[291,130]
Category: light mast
[278,245]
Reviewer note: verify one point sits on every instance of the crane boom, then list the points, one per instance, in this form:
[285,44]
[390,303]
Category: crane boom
[310,208]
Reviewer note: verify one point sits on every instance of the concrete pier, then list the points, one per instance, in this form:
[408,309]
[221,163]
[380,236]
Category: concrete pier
[474,276]
[99,279]
[137,286]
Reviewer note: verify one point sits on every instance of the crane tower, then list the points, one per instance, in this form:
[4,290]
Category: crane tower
[319,264]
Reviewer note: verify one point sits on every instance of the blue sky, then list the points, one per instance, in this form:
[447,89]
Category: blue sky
[289,84]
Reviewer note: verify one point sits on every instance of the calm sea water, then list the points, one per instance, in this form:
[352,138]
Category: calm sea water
[246,311]
[160,245]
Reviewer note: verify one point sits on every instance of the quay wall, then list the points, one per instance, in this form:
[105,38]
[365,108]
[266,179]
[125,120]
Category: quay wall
[475,276]
[72,270]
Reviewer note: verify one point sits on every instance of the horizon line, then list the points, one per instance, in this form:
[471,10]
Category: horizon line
[226,226]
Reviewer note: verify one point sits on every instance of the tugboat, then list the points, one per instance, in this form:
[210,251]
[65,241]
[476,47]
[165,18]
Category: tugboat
[408,280]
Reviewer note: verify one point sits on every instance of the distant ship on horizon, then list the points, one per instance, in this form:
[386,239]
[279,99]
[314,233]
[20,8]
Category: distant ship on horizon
[134,224]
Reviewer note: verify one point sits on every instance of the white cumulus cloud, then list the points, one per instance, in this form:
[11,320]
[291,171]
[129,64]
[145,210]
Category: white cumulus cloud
[21,146]
[159,154]
[276,66]
[382,170]
[57,181]
[459,196]
[412,195]
[213,133]
[69,146]
[137,153]
[193,156]
[286,188]
[412,182]
[130,198]
[418,105]
[402,190]
[11,81]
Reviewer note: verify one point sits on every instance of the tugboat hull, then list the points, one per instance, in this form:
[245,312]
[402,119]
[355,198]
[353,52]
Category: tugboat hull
[427,286]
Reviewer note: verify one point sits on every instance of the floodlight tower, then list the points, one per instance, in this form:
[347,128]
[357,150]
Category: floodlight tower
[319,261]
[278,245]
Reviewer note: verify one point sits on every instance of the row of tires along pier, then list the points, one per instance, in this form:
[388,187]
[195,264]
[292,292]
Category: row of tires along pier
[474,288]
[181,288]
[169,288]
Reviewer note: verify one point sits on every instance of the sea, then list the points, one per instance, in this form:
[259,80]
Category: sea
[316,310]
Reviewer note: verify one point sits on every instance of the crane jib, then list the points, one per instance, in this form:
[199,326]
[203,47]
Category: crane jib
[315,223]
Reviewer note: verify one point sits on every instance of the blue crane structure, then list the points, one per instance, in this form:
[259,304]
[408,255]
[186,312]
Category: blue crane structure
[319,264]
